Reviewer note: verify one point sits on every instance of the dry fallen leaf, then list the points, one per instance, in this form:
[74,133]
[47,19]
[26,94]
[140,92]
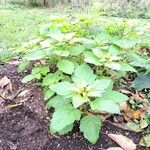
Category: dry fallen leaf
[137,114]
[23,93]
[129,113]
[137,97]
[4,81]
[115,148]
[13,105]
[5,86]
[124,106]
[123,142]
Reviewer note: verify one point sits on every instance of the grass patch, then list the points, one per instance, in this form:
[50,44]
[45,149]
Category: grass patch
[19,25]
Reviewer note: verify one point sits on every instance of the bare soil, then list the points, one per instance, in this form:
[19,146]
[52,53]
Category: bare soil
[25,127]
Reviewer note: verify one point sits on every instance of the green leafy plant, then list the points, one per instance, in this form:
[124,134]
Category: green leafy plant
[80,99]
[142,81]
[76,67]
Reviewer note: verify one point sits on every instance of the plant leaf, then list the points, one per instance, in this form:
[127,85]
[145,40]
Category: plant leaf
[52,78]
[65,130]
[97,52]
[104,105]
[89,57]
[114,50]
[115,148]
[61,53]
[103,37]
[77,100]
[44,70]
[63,117]
[77,50]
[88,43]
[63,88]
[98,87]
[48,94]
[90,126]
[35,55]
[66,66]
[49,79]
[133,126]
[114,96]
[125,43]
[83,75]
[123,141]
[57,101]
[27,78]
[135,59]
[120,66]
[142,82]
[145,141]
[23,65]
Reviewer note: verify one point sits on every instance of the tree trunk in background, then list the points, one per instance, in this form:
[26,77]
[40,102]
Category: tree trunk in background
[45,3]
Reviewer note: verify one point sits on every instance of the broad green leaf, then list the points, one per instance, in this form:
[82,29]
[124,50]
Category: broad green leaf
[64,116]
[61,53]
[97,52]
[63,88]
[48,94]
[38,76]
[89,43]
[139,61]
[125,43]
[113,65]
[98,87]
[46,43]
[135,59]
[36,70]
[142,82]
[78,100]
[133,126]
[27,78]
[35,55]
[44,70]
[114,50]
[52,78]
[89,57]
[120,66]
[57,101]
[104,105]
[50,30]
[90,126]
[77,50]
[103,37]
[83,75]
[114,96]
[44,29]
[23,65]
[67,129]
[66,66]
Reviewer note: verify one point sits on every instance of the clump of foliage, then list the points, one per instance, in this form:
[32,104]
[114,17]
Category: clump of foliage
[77,61]
[122,8]
[7,54]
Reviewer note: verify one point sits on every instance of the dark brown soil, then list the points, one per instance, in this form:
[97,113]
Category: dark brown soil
[26,127]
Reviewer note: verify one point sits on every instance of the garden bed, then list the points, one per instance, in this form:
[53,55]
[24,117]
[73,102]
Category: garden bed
[24,122]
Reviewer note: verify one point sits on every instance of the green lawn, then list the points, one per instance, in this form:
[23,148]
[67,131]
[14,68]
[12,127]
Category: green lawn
[19,25]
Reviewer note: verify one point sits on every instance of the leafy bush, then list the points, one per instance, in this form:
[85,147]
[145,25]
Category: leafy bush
[122,8]
[77,61]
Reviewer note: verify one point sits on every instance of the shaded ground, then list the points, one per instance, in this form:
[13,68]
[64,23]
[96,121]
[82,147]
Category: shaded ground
[26,127]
